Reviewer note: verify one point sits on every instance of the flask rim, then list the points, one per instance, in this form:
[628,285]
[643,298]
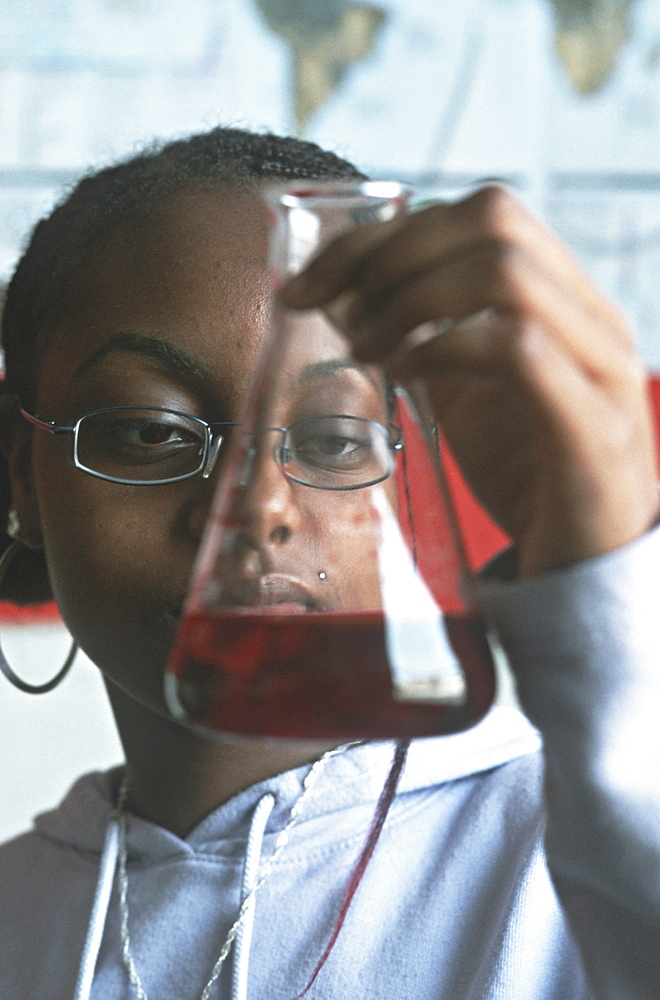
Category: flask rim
[304,194]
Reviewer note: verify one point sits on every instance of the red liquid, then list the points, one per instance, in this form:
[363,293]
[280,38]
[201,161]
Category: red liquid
[316,676]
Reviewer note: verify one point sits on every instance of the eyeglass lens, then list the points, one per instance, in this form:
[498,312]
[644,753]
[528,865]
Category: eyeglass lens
[336,452]
[141,445]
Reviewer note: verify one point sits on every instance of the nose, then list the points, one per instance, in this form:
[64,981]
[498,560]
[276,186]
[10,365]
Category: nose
[267,511]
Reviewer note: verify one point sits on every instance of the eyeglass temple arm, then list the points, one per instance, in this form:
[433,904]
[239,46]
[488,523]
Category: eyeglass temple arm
[44,425]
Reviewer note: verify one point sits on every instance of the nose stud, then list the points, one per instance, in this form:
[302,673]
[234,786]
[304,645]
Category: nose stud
[321,575]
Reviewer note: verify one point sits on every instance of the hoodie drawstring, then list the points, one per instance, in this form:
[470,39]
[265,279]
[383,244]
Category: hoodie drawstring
[243,938]
[106,877]
[114,856]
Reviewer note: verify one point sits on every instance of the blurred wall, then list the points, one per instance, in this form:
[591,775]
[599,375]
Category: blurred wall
[438,94]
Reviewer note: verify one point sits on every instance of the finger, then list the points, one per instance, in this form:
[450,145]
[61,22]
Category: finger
[492,214]
[491,277]
[384,257]
[523,352]
[486,346]
[596,475]
[336,268]
[591,481]
[612,421]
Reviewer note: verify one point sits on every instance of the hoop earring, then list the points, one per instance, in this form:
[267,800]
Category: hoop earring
[13,524]
[5,559]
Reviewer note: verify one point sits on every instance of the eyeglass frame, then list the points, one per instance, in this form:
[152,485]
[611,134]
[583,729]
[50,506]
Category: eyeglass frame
[211,446]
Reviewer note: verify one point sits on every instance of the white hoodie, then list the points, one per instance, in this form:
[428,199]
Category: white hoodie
[457,902]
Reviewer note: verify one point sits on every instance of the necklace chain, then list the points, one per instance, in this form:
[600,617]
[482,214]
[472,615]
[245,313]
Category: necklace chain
[266,870]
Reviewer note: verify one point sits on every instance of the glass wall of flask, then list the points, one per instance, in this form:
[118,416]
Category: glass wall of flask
[331,597]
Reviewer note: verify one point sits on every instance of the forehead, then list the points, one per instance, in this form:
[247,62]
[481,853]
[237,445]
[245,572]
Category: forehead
[196,236]
[192,280]
[194,274]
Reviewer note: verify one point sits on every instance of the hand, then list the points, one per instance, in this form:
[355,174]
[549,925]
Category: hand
[530,371]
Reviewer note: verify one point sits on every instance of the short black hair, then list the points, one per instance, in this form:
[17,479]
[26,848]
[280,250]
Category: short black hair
[128,192]
[131,191]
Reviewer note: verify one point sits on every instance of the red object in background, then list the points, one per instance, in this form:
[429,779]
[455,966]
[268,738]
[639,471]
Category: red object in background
[481,536]
[14,614]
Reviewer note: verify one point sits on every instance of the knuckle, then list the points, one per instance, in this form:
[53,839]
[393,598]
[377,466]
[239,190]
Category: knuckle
[495,208]
[625,373]
[516,343]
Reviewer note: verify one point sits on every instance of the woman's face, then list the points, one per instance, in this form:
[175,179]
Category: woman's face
[173,315]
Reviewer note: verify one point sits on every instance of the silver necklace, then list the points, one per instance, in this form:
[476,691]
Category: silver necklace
[280,843]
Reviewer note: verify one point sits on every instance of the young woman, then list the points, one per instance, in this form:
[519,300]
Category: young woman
[503,871]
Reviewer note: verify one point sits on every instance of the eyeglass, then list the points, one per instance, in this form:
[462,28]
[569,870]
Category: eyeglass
[154,446]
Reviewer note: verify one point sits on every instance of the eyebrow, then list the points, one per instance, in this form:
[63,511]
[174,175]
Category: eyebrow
[172,358]
[183,365]
[327,369]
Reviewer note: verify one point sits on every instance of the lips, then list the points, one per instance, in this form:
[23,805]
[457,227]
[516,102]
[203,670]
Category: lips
[272,594]
[285,608]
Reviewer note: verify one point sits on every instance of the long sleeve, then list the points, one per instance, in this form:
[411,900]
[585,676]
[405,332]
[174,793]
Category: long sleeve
[584,646]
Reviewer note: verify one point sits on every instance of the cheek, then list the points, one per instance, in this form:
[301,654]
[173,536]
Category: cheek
[349,533]
[117,569]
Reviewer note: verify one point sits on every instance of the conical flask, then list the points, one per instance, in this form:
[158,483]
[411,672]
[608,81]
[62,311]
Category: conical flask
[330,594]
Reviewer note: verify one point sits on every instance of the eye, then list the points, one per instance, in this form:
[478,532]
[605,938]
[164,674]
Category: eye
[149,433]
[154,433]
[138,437]
[331,442]
[335,445]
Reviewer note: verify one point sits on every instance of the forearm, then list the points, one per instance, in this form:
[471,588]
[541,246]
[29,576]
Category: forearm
[585,649]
